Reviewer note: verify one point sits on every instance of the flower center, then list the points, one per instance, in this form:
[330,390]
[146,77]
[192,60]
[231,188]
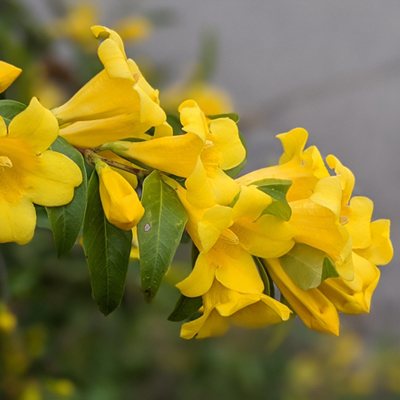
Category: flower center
[229,237]
[5,162]
[343,220]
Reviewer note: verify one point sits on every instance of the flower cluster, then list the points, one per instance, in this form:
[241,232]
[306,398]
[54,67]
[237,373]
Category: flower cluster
[293,226]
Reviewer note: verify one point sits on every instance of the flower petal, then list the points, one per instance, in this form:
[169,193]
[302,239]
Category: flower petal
[53,181]
[313,308]
[8,74]
[225,136]
[36,126]
[380,252]
[17,221]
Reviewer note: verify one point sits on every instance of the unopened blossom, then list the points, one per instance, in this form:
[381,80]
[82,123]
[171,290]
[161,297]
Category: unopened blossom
[8,74]
[119,199]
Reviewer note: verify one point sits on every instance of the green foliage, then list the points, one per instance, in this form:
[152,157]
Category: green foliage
[277,189]
[185,308]
[308,267]
[66,221]
[159,232]
[233,116]
[107,251]
[269,288]
[10,108]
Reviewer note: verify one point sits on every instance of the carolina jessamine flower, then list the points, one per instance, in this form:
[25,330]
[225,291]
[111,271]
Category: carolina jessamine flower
[29,173]
[327,218]
[211,100]
[117,103]
[119,199]
[201,155]
[228,237]
[222,307]
[8,74]
[315,198]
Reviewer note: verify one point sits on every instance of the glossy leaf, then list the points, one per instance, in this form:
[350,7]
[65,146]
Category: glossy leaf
[66,221]
[185,308]
[107,251]
[277,189]
[159,232]
[269,288]
[10,108]
[233,116]
[308,267]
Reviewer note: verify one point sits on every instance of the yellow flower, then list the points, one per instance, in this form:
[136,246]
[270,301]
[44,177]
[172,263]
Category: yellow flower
[8,74]
[134,28]
[327,218]
[222,306]
[211,100]
[74,24]
[117,103]
[119,199]
[201,155]
[314,308]
[30,173]
[303,167]
[227,238]
[222,150]
[315,197]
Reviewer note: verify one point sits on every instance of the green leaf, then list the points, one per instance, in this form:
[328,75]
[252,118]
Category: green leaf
[277,189]
[10,108]
[66,221]
[185,308]
[107,251]
[175,124]
[159,232]
[308,267]
[233,116]
[42,220]
[269,288]
[233,172]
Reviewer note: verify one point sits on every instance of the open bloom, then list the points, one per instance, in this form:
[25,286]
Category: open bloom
[8,74]
[228,237]
[327,218]
[201,155]
[315,197]
[119,199]
[222,306]
[117,103]
[29,173]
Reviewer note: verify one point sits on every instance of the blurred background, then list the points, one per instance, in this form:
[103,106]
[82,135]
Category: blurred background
[332,68]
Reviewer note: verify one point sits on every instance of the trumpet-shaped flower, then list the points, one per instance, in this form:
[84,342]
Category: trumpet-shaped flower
[119,199]
[315,198]
[327,218]
[227,238]
[314,309]
[222,306]
[8,74]
[117,103]
[303,167]
[201,155]
[29,173]
[222,150]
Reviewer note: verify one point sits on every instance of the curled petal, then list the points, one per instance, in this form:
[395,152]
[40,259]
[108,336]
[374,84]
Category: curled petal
[313,308]
[8,74]
[17,221]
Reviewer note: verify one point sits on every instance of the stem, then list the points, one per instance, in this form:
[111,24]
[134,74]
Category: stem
[91,155]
